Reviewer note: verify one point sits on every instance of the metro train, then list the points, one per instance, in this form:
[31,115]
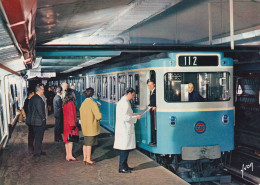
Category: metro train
[13,92]
[192,137]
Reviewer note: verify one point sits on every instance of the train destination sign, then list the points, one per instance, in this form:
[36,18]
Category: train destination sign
[197,60]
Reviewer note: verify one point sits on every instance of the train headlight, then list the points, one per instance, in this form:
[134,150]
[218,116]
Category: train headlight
[173,120]
[225,119]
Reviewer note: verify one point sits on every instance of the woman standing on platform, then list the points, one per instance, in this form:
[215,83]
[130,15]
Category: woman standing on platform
[89,117]
[69,123]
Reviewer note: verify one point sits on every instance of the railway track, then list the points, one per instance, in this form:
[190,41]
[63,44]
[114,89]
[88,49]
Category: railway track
[245,165]
[246,179]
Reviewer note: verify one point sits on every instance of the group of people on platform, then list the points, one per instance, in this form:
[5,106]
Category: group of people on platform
[66,121]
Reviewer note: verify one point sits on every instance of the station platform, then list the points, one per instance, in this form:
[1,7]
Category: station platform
[19,167]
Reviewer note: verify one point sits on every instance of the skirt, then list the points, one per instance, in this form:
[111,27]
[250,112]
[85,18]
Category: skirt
[90,140]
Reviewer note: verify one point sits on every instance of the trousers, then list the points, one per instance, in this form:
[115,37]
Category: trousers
[58,129]
[35,138]
[123,159]
[153,127]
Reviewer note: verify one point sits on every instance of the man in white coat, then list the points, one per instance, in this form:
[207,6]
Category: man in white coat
[125,131]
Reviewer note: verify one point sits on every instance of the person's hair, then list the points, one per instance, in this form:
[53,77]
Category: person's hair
[129,90]
[63,84]
[191,83]
[150,80]
[58,90]
[30,92]
[69,96]
[89,92]
[38,87]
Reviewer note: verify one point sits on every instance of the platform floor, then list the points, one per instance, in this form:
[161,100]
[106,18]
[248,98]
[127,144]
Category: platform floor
[19,167]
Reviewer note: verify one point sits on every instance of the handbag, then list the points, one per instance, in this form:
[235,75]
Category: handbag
[73,137]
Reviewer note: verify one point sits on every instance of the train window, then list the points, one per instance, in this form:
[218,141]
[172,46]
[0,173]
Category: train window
[247,91]
[89,82]
[2,117]
[81,81]
[196,87]
[152,75]
[24,90]
[121,85]
[113,90]
[130,80]
[19,95]
[105,87]
[92,83]
[110,87]
[13,100]
[79,87]
[137,92]
[98,87]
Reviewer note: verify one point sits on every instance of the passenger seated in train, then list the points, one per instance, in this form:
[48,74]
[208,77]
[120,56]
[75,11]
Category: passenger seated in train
[194,96]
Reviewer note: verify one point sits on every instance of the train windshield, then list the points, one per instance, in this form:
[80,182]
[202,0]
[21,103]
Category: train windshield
[196,87]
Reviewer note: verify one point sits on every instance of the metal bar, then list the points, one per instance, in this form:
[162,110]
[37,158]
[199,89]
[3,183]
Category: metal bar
[143,48]
[210,23]
[9,70]
[231,12]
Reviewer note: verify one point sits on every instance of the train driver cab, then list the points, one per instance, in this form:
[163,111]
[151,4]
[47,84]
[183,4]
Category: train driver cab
[196,86]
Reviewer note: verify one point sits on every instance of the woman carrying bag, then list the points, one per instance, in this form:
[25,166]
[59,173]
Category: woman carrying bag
[69,123]
[89,117]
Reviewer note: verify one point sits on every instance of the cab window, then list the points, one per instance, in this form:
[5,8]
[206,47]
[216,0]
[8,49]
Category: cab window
[207,86]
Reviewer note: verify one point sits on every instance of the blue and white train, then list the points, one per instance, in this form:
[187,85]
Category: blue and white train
[191,136]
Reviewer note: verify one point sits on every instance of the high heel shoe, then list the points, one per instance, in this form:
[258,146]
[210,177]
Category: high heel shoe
[93,163]
[85,162]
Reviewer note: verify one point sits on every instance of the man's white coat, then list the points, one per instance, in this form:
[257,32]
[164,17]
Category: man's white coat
[124,129]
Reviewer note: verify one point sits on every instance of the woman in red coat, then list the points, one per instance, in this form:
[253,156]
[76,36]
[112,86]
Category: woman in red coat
[70,119]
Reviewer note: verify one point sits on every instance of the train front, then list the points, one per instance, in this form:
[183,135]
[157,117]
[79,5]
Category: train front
[195,109]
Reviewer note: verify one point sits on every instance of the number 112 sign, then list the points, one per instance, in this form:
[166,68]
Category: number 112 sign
[197,60]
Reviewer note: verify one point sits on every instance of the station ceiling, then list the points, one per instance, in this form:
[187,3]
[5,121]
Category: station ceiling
[69,31]
[156,22]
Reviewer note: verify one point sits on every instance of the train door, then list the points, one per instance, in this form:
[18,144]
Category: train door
[133,80]
[112,89]
[151,116]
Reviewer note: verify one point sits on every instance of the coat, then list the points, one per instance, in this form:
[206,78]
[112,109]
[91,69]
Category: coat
[124,129]
[89,118]
[153,99]
[194,96]
[69,120]
[57,107]
[36,111]
[44,99]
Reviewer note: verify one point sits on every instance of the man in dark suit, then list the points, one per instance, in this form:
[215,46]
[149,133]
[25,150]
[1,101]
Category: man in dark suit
[58,114]
[151,87]
[194,96]
[26,102]
[36,120]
